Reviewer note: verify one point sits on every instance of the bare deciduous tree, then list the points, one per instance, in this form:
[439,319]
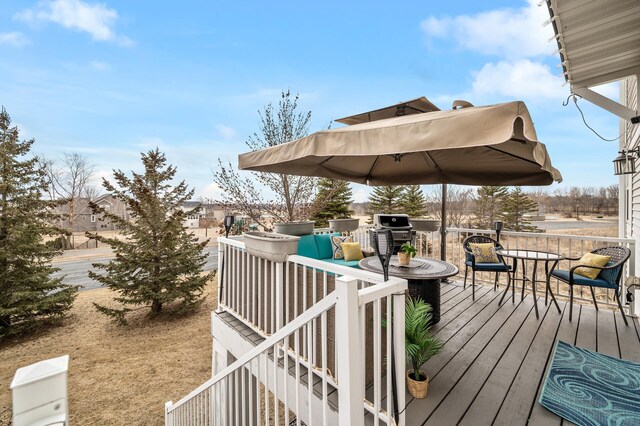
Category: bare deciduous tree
[292,194]
[459,204]
[70,181]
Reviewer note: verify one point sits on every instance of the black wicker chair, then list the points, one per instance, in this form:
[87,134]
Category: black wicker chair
[470,262]
[609,276]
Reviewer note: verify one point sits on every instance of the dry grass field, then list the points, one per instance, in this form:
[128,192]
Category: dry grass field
[118,375]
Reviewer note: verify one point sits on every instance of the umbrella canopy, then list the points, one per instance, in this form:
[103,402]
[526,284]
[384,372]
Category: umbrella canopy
[489,145]
[414,106]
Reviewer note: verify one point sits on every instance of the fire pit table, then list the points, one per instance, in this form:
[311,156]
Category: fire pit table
[423,276]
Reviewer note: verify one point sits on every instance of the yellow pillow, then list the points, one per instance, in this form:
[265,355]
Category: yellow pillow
[352,251]
[591,259]
[484,252]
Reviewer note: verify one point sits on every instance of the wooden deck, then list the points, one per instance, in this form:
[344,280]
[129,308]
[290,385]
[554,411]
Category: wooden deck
[494,360]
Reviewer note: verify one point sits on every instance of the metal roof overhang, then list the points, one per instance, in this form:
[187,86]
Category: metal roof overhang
[598,42]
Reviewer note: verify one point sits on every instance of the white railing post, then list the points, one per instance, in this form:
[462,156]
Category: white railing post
[219,274]
[399,347]
[168,416]
[350,391]
[632,259]
[279,296]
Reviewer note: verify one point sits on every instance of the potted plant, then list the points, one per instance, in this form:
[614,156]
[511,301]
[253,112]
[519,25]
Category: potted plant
[295,228]
[407,251]
[344,225]
[420,345]
[425,225]
[269,246]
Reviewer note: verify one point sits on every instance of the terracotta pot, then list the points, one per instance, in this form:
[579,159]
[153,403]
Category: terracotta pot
[418,388]
[403,258]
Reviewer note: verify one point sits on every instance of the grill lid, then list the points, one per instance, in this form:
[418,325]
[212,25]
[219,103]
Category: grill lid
[392,221]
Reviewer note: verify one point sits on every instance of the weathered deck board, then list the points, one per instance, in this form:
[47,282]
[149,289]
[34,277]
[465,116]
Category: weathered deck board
[502,381]
[494,361]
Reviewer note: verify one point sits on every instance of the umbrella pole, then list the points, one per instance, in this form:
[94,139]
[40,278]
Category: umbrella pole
[443,224]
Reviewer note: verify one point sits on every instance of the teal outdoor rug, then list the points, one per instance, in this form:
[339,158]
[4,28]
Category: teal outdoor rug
[588,388]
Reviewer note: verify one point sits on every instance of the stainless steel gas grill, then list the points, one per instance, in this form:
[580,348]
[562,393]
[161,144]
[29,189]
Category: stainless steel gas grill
[399,225]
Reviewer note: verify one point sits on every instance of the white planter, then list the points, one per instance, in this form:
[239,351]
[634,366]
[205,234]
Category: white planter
[295,228]
[425,225]
[344,225]
[273,247]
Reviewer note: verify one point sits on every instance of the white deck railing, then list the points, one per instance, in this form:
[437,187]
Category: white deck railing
[330,320]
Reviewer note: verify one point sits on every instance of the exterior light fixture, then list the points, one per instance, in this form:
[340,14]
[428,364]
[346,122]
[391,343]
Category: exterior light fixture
[228,223]
[625,163]
[382,243]
[497,225]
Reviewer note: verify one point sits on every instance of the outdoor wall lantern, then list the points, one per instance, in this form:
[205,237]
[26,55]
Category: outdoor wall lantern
[228,223]
[625,163]
[382,243]
[497,225]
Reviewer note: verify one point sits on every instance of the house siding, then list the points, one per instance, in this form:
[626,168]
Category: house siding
[630,184]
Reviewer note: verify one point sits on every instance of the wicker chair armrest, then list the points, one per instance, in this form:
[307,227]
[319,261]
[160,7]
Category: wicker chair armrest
[602,268]
[572,258]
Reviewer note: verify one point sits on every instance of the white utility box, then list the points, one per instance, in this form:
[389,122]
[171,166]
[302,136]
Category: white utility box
[40,393]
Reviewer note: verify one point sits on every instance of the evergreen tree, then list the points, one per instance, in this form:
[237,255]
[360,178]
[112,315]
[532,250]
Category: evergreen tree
[514,207]
[159,261]
[413,201]
[385,199]
[28,292]
[332,201]
[489,205]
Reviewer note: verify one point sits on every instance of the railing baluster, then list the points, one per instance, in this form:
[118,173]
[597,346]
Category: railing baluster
[309,371]
[296,343]
[286,379]
[325,366]
[389,321]
[377,346]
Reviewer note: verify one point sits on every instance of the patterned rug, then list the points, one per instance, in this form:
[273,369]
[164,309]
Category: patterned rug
[588,388]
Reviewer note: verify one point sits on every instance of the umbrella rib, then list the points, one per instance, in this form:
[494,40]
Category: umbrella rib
[372,167]
[324,161]
[430,158]
[513,155]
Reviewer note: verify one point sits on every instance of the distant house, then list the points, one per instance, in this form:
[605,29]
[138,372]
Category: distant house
[84,219]
[200,215]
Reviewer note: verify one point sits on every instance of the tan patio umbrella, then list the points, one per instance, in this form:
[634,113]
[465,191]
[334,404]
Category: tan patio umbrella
[489,145]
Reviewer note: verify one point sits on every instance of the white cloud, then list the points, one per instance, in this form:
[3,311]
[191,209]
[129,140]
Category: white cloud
[227,133]
[522,79]
[361,194]
[212,191]
[96,19]
[99,65]
[610,90]
[14,39]
[510,33]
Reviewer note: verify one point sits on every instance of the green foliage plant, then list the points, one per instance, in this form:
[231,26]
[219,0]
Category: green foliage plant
[29,293]
[408,249]
[420,344]
[158,262]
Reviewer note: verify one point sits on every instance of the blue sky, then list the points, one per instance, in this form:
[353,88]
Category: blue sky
[110,79]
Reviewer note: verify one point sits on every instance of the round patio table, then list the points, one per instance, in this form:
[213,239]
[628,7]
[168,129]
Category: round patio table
[535,256]
[423,276]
